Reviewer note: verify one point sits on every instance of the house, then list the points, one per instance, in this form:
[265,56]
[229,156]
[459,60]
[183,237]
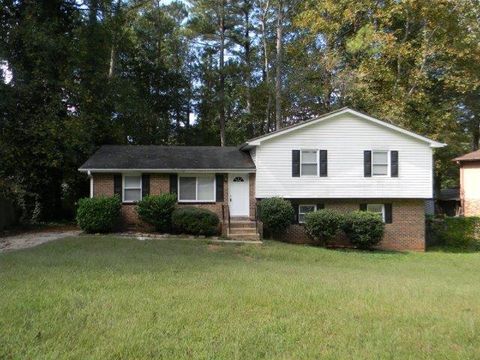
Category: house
[469,183]
[344,160]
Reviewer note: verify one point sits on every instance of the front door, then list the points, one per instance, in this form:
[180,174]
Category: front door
[239,200]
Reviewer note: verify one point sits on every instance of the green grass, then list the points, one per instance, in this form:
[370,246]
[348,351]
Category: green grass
[111,298]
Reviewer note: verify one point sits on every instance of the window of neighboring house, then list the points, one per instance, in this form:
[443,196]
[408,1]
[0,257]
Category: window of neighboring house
[379,163]
[132,188]
[196,188]
[304,209]
[309,162]
[377,208]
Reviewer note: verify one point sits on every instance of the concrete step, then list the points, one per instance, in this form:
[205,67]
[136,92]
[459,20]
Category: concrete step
[252,237]
[242,224]
[242,231]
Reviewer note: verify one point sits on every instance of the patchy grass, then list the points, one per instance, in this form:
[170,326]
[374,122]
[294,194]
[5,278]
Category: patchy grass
[112,298]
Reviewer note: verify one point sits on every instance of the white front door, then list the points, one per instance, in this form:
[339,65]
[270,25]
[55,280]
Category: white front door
[239,199]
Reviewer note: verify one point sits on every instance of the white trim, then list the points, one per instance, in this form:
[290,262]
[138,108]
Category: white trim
[388,163]
[432,143]
[131,188]
[168,171]
[314,207]
[196,176]
[383,209]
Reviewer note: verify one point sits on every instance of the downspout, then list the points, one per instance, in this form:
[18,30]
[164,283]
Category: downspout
[89,173]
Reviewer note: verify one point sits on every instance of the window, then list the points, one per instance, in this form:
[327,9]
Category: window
[196,188]
[377,208]
[132,188]
[309,162]
[304,209]
[379,163]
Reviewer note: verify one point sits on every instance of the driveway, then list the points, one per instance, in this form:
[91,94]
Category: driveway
[32,239]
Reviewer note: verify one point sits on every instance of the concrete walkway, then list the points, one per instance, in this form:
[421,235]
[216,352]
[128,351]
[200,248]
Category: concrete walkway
[32,239]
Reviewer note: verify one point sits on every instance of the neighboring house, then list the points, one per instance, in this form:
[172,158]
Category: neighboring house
[469,183]
[344,160]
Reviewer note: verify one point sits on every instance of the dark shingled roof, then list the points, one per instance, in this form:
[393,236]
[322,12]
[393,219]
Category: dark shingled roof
[449,194]
[169,157]
[473,156]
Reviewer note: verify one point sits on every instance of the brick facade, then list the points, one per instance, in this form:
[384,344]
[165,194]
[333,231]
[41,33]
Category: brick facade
[471,207]
[160,184]
[406,232]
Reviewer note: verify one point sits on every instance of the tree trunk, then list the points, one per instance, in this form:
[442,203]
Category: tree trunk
[222,73]
[278,75]
[266,72]
[247,57]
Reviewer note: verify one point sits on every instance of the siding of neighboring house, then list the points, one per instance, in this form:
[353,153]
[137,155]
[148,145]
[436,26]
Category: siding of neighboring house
[345,137]
[406,232]
[470,188]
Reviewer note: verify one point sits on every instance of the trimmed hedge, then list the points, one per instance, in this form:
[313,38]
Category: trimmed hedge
[276,214]
[455,232]
[364,229]
[98,214]
[157,210]
[195,221]
[323,225]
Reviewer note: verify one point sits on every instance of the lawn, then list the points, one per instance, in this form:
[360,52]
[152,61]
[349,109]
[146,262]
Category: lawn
[114,298]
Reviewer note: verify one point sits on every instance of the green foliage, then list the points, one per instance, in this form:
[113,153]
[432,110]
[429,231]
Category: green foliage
[455,232]
[157,210]
[195,221]
[364,229]
[323,225]
[98,214]
[276,214]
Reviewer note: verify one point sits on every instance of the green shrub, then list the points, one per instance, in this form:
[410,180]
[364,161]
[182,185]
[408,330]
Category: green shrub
[276,214]
[323,225]
[157,210]
[98,214]
[195,221]
[455,232]
[364,229]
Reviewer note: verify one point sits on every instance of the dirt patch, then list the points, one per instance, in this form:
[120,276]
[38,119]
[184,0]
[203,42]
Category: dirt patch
[32,239]
[214,247]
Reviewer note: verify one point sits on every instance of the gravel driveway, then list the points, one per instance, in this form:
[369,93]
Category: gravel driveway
[32,239]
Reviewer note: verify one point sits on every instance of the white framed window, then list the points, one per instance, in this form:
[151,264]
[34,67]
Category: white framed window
[196,188]
[132,188]
[309,162]
[303,210]
[380,162]
[377,208]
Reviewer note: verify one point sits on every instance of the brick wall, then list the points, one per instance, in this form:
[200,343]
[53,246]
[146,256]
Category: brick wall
[471,207]
[406,232]
[159,184]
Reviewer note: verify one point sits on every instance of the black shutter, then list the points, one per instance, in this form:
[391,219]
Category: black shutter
[145,185]
[173,184]
[394,163]
[388,213]
[295,212]
[367,163]
[219,187]
[295,163]
[363,207]
[323,163]
[320,206]
[117,184]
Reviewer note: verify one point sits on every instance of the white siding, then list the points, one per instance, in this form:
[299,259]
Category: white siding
[345,137]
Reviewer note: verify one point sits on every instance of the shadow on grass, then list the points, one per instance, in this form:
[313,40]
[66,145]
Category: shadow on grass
[453,249]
